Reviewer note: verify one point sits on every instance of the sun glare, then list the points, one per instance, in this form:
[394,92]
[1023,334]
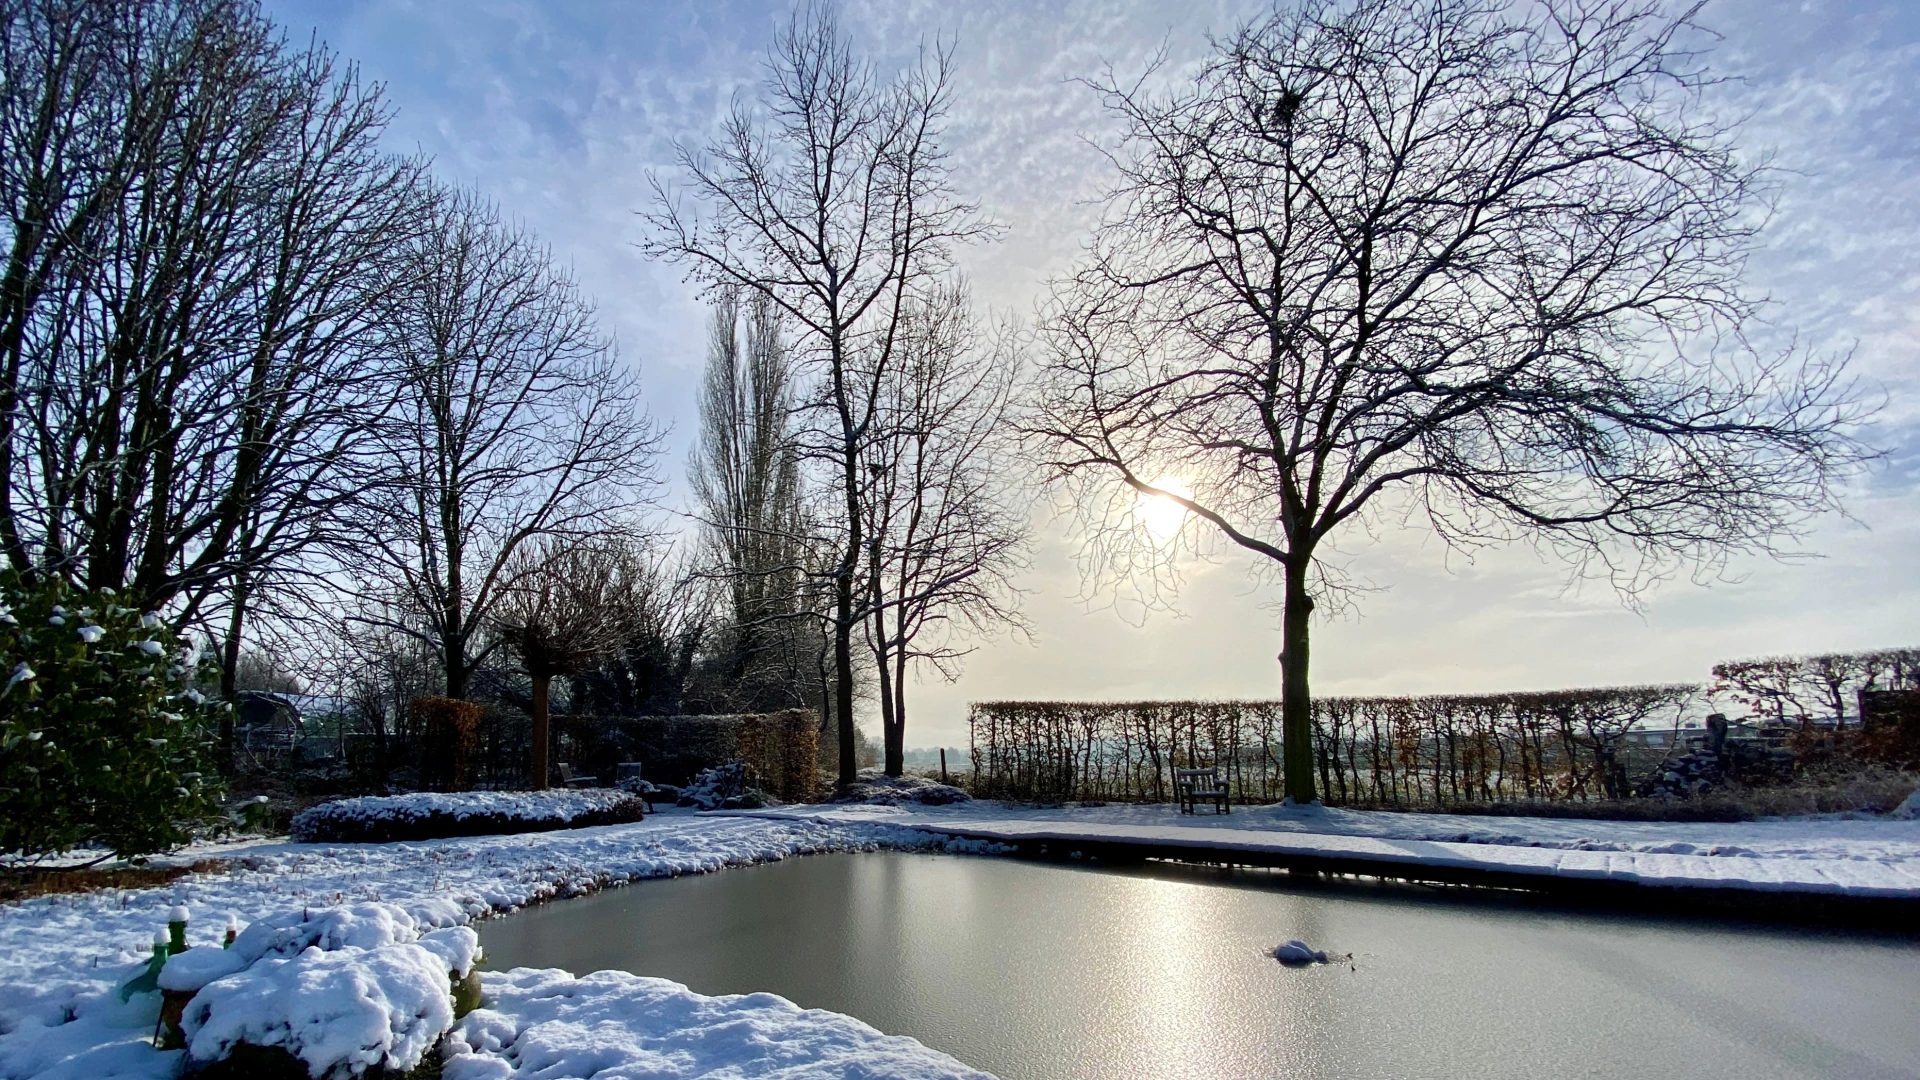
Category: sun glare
[1162,516]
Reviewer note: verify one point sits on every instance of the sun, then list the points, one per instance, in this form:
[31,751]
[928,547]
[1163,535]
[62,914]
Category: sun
[1162,516]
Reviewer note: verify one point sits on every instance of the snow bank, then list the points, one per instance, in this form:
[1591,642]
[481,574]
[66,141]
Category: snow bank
[429,815]
[547,1023]
[1867,858]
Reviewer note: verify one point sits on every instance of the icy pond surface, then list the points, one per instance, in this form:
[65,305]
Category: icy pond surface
[1032,970]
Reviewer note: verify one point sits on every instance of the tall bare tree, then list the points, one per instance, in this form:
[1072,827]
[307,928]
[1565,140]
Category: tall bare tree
[195,215]
[746,475]
[1443,257]
[944,535]
[834,203]
[512,421]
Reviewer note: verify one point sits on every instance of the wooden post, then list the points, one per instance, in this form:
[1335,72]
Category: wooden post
[943,764]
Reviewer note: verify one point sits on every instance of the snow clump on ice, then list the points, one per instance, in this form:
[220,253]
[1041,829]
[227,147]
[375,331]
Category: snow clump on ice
[1299,952]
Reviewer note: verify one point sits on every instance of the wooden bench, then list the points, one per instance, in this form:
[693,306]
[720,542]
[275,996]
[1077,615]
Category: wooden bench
[568,779]
[1195,786]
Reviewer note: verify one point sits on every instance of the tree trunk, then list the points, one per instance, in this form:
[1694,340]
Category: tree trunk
[897,738]
[230,671]
[890,757]
[1296,706]
[542,734]
[843,678]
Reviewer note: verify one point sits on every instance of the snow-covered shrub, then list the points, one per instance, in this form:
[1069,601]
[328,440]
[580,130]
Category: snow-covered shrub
[104,740]
[344,990]
[874,786]
[724,787]
[435,815]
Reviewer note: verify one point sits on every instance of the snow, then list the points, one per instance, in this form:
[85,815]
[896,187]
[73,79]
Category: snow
[612,1026]
[877,788]
[1299,952]
[339,1011]
[62,956]
[1877,857]
[555,807]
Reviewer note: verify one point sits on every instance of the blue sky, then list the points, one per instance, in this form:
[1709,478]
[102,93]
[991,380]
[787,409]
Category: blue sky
[559,109]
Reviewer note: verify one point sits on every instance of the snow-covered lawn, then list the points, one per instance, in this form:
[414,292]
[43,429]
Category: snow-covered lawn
[60,956]
[1829,855]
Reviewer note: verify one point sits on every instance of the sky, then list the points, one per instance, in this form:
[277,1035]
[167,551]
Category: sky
[560,109]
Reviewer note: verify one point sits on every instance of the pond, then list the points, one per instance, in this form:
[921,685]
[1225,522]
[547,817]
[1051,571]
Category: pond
[1036,970]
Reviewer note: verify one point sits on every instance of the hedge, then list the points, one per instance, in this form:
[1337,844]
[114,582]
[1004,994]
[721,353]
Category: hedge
[1398,751]
[782,748]
[378,819]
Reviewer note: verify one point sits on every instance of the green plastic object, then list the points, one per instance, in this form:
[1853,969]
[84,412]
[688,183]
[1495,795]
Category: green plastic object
[149,980]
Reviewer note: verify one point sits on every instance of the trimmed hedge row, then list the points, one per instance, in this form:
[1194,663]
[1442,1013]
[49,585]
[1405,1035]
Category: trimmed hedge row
[1562,745]
[378,819]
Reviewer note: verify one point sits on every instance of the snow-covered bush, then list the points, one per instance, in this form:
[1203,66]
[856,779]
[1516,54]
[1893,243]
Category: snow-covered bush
[104,740]
[724,787]
[435,815]
[344,990]
[874,786]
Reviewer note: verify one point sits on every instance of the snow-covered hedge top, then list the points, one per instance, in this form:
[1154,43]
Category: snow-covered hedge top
[879,789]
[375,817]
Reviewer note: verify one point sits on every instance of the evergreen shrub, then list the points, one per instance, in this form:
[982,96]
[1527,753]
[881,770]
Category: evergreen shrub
[105,740]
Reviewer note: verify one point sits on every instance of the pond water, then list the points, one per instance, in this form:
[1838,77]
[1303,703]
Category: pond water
[1034,970]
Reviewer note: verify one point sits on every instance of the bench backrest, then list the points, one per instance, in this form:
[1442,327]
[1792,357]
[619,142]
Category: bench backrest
[1197,779]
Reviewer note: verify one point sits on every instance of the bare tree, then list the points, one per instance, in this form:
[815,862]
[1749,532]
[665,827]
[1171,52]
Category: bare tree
[662,625]
[563,612]
[195,216]
[1437,258]
[944,537]
[746,475]
[512,422]
[833,205]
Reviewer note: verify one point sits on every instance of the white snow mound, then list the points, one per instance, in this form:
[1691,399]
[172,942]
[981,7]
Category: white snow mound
[343,989]
[343,1011]
[1299,952]
[547,1023]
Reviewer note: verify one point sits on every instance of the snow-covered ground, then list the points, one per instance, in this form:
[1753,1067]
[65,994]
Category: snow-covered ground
[60,956]
[1827,855]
